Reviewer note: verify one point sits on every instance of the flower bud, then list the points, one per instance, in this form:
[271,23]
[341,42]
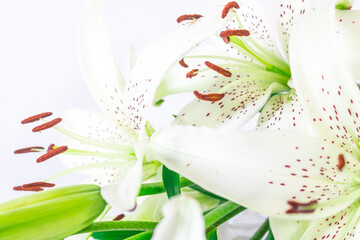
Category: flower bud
[344,4]
[52,214]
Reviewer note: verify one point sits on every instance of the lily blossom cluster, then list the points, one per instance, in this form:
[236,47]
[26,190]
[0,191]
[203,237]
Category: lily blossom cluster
[300,166]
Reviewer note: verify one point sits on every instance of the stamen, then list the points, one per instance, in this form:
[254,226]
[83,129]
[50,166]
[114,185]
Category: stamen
[52,153]
[341,162]
[36,117]
[183,64]
[47,125]
[218,69]
[28,150]
[227,8]
[212,97]
[297,207]
[239,33]
[50,147]
[21,188]
[192,73]
[119,217]
[188,17]
[38,185]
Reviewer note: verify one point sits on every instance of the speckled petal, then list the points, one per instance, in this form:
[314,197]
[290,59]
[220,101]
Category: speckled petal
[98,63]
[183,220]
[283,112]
[323,81]
[288,12]
[238,106]
[258,169]
[254,19]
[96,127]
[158,57]
[339,226]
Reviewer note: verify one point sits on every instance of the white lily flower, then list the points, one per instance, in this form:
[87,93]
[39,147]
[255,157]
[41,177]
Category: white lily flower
[281,173]
[249,69]
[110,148]
[182,220]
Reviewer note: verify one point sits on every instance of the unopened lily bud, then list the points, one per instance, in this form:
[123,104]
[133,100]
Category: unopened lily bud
[52,214]
[344,4]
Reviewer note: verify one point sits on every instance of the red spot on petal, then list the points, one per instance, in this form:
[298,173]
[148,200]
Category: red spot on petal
[297,207]
[341,162]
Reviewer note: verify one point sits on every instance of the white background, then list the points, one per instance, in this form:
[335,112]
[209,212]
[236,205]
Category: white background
[39,70]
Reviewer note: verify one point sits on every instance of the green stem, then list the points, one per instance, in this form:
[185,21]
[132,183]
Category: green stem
[119,225]
[263,229]
[158,187]
[141,236]
[210,194]
[221,214]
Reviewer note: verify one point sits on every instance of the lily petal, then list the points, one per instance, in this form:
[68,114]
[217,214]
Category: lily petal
[317,66]
[283,112]
[98,63]
[183,220]
[248,168]
[287,13]
[104,134]
[342,225]
[239,105]
[285,229]
[158,57]
[258,26]
[123,195]
[347,26]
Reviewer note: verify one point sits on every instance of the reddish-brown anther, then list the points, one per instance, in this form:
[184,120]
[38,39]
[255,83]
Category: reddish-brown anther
[36,117]
[188,17]
[218,69]
[47,125]
[297,207]
[119,217]
[50,147]
[192,73]
[183,64]
[38,185]
[212,97]
[227,8]
[52,153]
[21,188]
[28,150]
[341,162]
[238,33]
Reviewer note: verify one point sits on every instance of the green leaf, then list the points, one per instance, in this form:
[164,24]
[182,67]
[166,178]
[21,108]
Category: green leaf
[212,235]
[118,235]
[119,225]
[159,103]
[171,182]
[141,236]
[270,236]
[263,229]
[221,214]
